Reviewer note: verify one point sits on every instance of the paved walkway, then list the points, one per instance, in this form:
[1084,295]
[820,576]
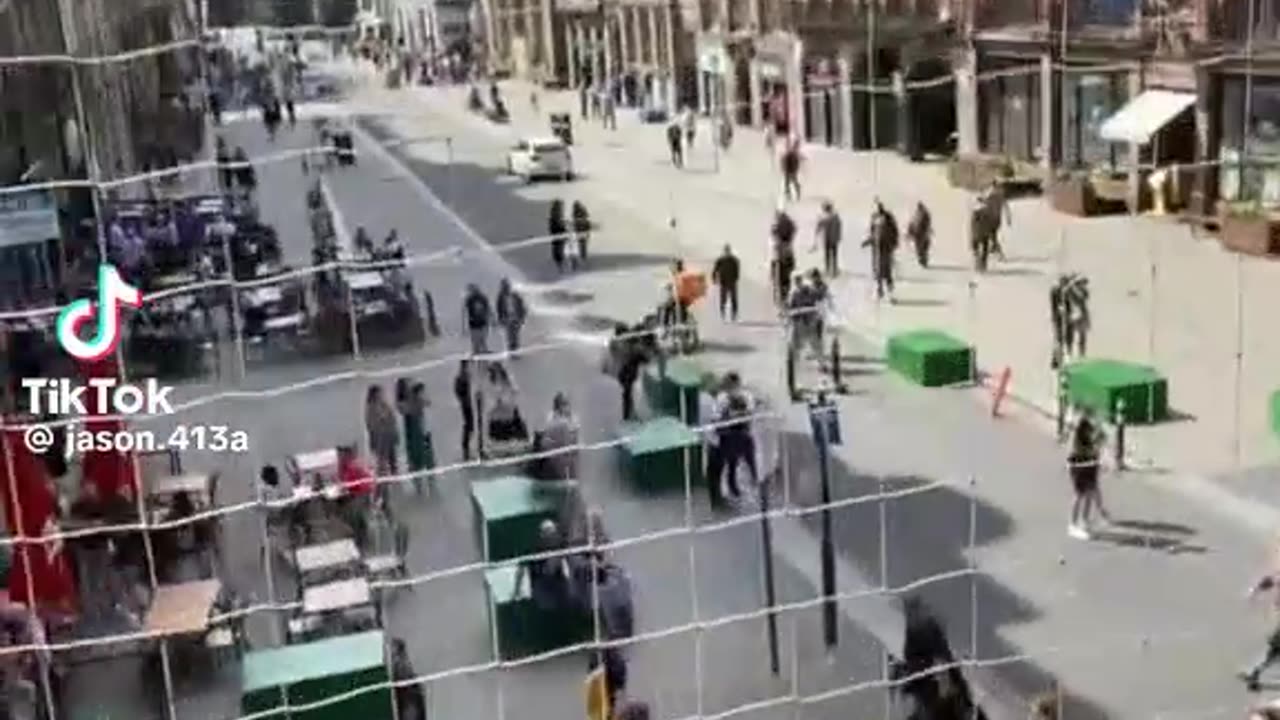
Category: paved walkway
[1162,295]
[1082,613]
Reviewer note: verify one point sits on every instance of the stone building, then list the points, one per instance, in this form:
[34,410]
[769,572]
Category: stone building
[840,68]
[1080,93]
[646,44]
[522,38]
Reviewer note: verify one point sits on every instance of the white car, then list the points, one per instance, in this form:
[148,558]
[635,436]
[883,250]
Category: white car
[540,158]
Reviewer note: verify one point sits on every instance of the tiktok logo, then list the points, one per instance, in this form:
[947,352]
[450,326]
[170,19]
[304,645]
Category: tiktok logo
[113,293]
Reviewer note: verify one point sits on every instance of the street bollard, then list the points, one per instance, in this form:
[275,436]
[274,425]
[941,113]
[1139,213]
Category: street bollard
[1120,422]
[837,372]
[791,374]
[429,304]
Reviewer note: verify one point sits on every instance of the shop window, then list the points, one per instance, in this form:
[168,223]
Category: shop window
[1108,12]
[1250,149]
[1011,115]
[1091,98]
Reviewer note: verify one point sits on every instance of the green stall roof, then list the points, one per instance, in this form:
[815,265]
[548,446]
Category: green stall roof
[514,496]
[293,664]
[661,433]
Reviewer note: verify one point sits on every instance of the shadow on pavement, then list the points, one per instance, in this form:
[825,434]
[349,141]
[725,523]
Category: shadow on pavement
[924,535]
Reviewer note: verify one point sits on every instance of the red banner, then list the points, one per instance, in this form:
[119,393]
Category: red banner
[41,574]
[113,472]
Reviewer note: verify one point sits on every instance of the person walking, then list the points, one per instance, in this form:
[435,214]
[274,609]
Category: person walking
[709,416]
[784,256]
[883,241]
[1268,584]
[610,111]
[829,231]
[725,274]
[1084,463]
[562,431]
[581,229]
[920,229]
[384,436]
[512,313]
[1076,297]
[558,231]
[463,392]
[791,169]
[478,316]
[675,141]
[412,402]
[690,123]
[737,445]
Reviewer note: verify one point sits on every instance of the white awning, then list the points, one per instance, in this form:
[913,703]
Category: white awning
[1144,115]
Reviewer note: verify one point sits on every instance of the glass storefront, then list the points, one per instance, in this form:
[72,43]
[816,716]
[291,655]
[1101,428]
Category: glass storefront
[1250,146]
[1091,98]
[1010,107]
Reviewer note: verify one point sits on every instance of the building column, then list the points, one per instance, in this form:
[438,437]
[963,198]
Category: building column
[754,93]
[794,70]
[1050,116]
[624,51]
[903,130]
[669,47]
[844,102]
[704,99]
[547,49]
[597,55]
[966,102]
[655,57]
[610,63]
[571,53]
[1134,150]
[1204,193]
[637,37]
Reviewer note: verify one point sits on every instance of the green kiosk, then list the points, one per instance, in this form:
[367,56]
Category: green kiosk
[299,676]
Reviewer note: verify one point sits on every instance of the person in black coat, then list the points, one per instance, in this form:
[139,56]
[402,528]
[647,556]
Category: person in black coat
[581,228]
[883,241]
[558,231]
[725,274]
[784,255]
[466,404]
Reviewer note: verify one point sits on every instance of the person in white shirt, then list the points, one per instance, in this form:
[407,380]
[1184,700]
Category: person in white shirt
[708,418]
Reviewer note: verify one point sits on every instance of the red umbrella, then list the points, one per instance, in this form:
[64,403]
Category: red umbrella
[111,470]
[30,507]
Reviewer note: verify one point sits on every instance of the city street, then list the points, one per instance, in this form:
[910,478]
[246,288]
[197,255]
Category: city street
[967,511]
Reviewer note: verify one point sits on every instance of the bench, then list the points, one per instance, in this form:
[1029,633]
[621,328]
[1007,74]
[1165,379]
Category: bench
[657,454]
[523,628]
[931,358]
[509,510]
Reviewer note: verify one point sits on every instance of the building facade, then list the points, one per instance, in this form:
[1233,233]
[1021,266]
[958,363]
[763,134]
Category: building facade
[522,39]
[645,45]
[1100,88]
[106,120]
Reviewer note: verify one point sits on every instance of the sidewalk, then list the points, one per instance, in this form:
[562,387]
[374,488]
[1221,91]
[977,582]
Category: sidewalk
[1190,335]
[1085,614]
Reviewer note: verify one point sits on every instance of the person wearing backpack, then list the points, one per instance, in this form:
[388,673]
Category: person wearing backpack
[737,445]
[478,316]
[511,313]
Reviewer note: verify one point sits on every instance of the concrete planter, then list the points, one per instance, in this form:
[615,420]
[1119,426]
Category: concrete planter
[1073,196]
[1251,234]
